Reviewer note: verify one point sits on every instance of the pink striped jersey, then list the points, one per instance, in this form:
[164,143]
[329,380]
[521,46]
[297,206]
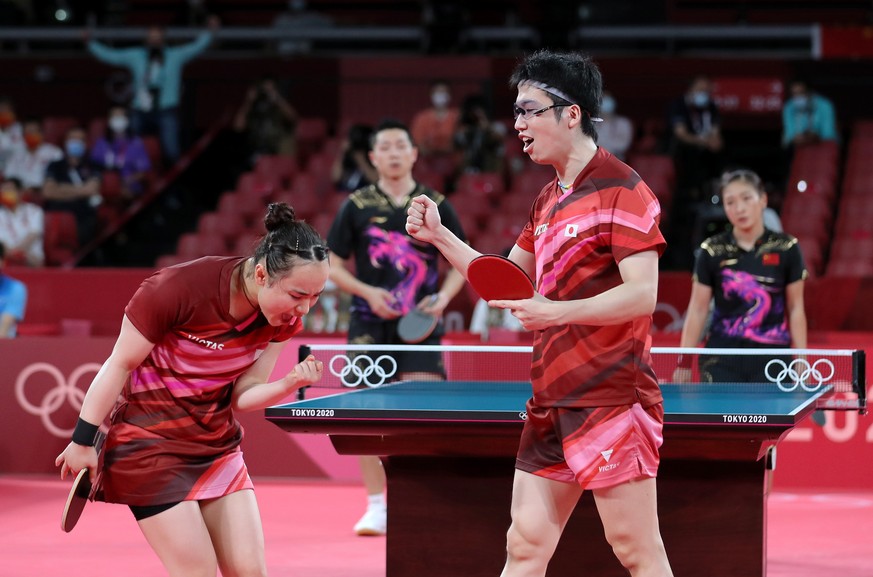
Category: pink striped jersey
[578,238]
[173,436]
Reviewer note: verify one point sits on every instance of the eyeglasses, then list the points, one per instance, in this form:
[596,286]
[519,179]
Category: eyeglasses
[527,114]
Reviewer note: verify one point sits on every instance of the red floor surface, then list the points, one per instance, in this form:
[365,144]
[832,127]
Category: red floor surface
[308,531]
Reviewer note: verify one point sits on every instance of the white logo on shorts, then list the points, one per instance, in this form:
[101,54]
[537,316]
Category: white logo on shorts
[607,454]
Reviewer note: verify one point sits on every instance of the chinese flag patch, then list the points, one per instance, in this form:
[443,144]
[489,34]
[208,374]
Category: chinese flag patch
[771,259]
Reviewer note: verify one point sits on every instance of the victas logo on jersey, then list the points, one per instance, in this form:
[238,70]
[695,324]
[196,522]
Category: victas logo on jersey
[541,229]
[208,344]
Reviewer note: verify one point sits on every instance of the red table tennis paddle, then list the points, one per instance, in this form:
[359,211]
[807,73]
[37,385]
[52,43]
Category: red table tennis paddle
[76,501]
[497,278]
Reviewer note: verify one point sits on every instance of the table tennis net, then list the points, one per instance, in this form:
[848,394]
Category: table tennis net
[841,372]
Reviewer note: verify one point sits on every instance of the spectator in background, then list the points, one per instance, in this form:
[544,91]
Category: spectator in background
[433,129]
[22,226]
[13,300]
[157,81]
[267,120]
[11,135]
[122,151]
[72,184]
[616,132]
[697,142]
[29,163]
[478,139]
[696,146]
[807,117]
[352,168]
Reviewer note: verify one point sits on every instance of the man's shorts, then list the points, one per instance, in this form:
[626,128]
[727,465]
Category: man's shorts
[385,333]
[595,447]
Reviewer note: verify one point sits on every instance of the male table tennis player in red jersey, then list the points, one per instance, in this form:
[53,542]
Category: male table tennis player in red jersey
[592,243]
[199,341]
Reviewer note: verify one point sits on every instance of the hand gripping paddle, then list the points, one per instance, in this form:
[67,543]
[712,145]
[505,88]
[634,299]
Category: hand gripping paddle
[497,278]
[416,325]
[79,493]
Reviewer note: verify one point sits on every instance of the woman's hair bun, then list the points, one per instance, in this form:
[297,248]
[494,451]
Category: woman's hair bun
[279,214]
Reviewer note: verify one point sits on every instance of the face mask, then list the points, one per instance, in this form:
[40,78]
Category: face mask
[118,123]
[6,119]
[32,140]
[9,198]
[440,99]
[75,148]
[800,101]
[608,105]
[700,99]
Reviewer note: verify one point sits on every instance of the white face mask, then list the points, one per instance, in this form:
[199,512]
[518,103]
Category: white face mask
[440,99]
[118,123]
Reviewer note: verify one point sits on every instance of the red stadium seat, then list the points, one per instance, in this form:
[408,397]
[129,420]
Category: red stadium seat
[61,240]
[55,128]
[223,224]
[851,268]
[488,184]
[258,185]
[279,168]
[250,207]
[153,150]
[193,245]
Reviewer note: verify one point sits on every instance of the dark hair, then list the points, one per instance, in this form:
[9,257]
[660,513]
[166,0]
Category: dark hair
[748,176]
[14,180]
[2,251]
[572,73]
[390,124]
[288,241]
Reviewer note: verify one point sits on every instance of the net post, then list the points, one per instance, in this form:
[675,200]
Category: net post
[303,351]
[859,368]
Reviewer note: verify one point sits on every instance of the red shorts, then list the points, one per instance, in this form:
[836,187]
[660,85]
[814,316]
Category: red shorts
[595,447]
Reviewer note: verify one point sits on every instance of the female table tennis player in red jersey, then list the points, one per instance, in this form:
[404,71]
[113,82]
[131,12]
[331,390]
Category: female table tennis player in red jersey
[592,243]
[199,341]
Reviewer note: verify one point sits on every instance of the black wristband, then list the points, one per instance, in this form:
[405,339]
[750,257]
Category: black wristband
[85,433]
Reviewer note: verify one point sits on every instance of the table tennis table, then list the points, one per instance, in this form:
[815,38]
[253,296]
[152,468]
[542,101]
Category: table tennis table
[448,450]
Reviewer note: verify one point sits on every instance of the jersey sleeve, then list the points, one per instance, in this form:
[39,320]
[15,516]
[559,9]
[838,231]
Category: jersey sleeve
[340,237]
[702,265]
[796,268]
[634,227]
[157,306]
[450,220]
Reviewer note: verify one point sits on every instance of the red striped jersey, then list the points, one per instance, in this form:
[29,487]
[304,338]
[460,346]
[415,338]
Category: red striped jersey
[578,238]
[173,435]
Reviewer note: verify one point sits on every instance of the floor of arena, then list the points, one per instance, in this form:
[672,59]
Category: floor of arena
[308,528]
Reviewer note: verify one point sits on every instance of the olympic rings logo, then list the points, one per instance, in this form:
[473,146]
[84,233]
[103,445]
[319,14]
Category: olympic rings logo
[363,370]
[799,372]
[65,391]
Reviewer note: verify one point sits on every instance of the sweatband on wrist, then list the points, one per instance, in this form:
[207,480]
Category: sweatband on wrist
[684,362]
[85,433]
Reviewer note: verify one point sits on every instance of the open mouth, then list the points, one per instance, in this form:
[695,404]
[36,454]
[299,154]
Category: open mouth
[526,142]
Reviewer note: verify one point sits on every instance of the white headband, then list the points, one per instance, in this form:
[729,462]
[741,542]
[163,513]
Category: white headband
[561,95]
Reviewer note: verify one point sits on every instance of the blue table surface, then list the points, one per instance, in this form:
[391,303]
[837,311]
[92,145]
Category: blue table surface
[446,399]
